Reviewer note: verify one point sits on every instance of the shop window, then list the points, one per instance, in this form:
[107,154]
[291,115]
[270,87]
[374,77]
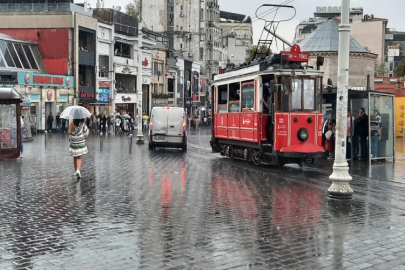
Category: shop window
[122,49]
[104,64]
[125,83]
[248,97]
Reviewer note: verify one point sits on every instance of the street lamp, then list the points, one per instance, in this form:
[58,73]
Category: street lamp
[139,136]
[340,188]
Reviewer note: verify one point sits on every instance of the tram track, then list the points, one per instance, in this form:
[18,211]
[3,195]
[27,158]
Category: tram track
[368,189]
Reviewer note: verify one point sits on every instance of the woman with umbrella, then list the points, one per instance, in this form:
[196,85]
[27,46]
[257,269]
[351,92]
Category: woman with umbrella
[78,132]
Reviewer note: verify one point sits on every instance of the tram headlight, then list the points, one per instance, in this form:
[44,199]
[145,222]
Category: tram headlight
[303,134]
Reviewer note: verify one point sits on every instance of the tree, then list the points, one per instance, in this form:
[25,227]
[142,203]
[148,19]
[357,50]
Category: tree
[380,70]
[132,8]
[400,70]
[262,49]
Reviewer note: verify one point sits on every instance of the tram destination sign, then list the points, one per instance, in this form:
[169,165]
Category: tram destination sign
[295,54]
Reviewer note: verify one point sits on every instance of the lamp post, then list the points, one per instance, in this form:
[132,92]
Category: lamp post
[139,136]
[340,188]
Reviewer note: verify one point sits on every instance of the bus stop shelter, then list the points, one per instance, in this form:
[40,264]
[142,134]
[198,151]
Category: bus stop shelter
[380,109]
[10,123]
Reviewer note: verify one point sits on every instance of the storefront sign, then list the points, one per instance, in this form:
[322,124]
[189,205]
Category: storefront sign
[145,63]
[34,98]
[125,99]
[160,102]
[38,79]
[146,80]
[86,92]
[104,84]
[188,101]
[103,95]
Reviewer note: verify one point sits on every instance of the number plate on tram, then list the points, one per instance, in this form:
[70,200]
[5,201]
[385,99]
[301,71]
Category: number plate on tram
[159,138]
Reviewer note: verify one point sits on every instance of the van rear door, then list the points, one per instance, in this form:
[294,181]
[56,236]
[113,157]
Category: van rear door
[160,116]
[175,122]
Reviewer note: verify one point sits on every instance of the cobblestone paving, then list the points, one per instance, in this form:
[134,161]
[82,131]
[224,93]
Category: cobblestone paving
[167,210]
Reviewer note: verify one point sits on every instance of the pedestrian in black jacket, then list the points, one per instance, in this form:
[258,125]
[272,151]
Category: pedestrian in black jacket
[363,133]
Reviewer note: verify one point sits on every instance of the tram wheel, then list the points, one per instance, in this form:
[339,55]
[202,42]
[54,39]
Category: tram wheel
[247,154]
[255,158]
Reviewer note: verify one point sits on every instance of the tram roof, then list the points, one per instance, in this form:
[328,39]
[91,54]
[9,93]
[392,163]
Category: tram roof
[255,71]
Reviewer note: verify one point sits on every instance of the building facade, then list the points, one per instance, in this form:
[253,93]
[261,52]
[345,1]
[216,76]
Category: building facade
[362,62]
[237,37]
[395,49]
[105,63]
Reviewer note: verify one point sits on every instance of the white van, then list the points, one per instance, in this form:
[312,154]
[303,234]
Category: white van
[167,128]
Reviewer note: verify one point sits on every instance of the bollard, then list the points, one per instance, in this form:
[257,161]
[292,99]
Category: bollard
[46,133]
[130,143]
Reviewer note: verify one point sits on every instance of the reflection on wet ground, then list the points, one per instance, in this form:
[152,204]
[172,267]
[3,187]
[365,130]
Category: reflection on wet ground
[167,210]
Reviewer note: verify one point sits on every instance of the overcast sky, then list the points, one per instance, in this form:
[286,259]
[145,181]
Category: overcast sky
[389,9]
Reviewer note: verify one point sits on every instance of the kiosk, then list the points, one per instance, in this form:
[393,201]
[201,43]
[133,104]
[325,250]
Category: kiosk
[10,123]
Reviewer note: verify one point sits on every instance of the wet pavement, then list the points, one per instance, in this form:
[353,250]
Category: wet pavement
[168,210]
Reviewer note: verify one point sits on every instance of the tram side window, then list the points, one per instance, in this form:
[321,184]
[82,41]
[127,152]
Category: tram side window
[248,97]
[296,94]
[222,98]
[309,94]
[234,97]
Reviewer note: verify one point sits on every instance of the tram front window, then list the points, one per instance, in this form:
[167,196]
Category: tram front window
[296,94]
[309,94]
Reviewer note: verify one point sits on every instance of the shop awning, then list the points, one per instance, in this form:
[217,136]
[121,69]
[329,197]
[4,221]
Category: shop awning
[9,93]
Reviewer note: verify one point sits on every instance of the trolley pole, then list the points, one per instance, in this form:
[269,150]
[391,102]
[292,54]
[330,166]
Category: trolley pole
[340,188]
[139,136]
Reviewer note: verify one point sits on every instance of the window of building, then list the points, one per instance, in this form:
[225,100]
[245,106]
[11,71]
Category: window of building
[86,76]
[161,88]
[104,64]
[24,60]
[201,53]
[181,45]
[86,41]
[122,49]
[30,57]
[245,34]
[13,54]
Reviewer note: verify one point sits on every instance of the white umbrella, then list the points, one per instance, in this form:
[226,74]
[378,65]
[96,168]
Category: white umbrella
[127,115]
[117,114]
[75,112]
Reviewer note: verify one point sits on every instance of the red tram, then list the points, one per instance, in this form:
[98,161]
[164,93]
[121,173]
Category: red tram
[238,127]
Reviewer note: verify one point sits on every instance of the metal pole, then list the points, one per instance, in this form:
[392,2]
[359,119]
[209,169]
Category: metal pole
[340,188]
[46,134]
[101,140]
[130,143]
[139,136]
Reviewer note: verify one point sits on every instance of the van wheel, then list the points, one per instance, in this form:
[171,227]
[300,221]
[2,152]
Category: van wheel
[184,148]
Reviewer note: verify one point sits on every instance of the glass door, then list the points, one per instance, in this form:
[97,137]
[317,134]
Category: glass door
[381,126]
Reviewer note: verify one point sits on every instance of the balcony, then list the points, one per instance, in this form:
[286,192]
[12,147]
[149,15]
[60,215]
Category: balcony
[213,63]
[86,58]
[123,23]
[212,23]
[41,7]
[213,5]
[209,43]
